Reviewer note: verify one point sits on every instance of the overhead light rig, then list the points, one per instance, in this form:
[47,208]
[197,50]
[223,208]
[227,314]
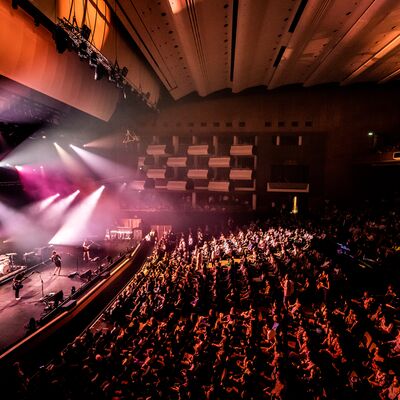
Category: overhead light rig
[68,36]
[130,137]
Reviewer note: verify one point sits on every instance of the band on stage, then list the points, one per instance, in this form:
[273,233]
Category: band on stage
[56,259]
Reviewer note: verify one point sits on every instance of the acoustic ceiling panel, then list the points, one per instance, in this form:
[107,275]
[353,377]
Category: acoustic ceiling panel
[209,45]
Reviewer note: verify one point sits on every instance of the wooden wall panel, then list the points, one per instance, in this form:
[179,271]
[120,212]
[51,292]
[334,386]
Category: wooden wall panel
[342,117]
[28,56]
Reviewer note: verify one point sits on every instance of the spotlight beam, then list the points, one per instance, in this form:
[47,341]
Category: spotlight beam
[54,213]
[69,162]
[75,226]
[41,205]
[16,225]
[101,166]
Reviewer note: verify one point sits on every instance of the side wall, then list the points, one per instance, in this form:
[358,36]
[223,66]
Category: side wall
[28,56]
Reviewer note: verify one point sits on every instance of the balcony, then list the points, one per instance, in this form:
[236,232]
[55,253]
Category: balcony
[284,187]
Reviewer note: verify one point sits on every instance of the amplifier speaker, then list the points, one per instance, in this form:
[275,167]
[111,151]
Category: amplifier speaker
[105,274]
[86,275]
[68,305]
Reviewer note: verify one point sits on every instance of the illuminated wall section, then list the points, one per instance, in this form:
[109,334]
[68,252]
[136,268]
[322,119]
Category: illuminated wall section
[97,16]
[28,56]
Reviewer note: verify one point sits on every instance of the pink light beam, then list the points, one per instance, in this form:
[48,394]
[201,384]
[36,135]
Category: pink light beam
[102,166]
[75,227]
[53,215]
[41,205]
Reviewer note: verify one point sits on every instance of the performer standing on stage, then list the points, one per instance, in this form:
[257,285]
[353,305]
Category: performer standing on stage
[86,249]
[17,284]
[56,258]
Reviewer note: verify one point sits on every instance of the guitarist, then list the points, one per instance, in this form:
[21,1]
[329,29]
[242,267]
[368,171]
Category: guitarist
[56,258]
[17,284]
[86,249]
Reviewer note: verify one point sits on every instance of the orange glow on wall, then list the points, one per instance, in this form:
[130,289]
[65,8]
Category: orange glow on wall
[28,56]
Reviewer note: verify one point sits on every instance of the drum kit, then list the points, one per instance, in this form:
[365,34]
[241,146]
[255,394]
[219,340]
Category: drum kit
[7,263]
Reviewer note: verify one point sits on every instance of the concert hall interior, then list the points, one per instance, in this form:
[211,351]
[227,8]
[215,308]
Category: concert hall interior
[199,199]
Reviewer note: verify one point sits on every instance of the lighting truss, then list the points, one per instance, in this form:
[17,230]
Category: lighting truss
[130,137]
[69,36]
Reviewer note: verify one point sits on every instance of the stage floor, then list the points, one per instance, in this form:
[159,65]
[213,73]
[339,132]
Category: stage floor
[15,314]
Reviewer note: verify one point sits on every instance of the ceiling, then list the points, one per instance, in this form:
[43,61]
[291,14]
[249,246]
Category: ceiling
[207,45]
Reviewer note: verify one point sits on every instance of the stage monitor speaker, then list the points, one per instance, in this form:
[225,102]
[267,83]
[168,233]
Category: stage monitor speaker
[86,275]
[73,274]
[58,298]
[105,274]
[68,305]
[32,259]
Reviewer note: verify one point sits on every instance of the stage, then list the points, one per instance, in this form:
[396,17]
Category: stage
[15,314]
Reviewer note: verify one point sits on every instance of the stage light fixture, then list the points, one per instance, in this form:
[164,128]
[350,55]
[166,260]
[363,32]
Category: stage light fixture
[111,77]
[82,51]
[370,133]
[93,60]
[61,38]
[99,72]
[44,137]
[85,31]
[68,35]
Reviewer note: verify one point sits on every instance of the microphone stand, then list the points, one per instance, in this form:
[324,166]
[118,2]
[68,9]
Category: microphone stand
[77,262]
[41,280]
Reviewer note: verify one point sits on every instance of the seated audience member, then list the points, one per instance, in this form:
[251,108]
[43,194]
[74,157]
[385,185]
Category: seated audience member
[392,392]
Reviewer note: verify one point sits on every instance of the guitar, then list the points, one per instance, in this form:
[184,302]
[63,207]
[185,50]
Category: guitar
[87,247]
[17,285]
[17,282]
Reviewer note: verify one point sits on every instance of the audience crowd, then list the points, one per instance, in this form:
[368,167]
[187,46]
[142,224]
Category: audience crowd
[259,312]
